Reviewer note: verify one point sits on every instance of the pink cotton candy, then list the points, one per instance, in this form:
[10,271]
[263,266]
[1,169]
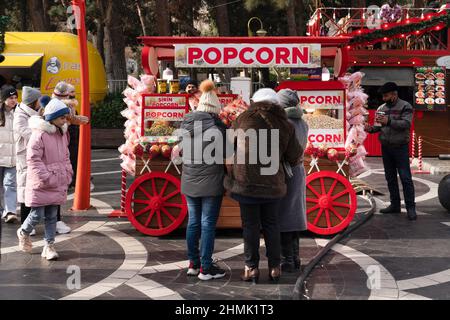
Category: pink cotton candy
[356,120]
[149,82]
[133,82]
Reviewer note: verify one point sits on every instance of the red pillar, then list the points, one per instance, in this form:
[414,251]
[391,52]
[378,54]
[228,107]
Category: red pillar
[82,188]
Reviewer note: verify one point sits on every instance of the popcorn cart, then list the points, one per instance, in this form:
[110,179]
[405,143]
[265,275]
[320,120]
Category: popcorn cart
[154,203]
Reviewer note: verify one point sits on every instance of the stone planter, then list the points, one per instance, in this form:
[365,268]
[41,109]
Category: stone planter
[107,138]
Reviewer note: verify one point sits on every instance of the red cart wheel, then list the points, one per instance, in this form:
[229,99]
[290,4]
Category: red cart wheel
[155,205]
[331,202]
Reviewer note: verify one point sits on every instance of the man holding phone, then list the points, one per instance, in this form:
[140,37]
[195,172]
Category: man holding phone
[393,121]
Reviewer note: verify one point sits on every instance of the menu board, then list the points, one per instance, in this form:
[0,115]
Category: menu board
[430,89]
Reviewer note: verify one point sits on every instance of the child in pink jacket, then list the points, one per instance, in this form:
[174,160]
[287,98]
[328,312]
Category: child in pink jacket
[48,175]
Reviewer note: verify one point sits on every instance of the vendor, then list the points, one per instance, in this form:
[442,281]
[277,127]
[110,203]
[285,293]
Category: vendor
[395,119]
[194,94]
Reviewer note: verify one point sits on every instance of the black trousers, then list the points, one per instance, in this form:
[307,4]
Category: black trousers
[25,211]
[290,247]
[396,160]
[254,217]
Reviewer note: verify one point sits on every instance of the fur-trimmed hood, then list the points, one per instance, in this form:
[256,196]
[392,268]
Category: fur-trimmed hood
[267,108]
[38,123]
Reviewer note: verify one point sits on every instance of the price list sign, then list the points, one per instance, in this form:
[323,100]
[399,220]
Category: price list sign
[430,89]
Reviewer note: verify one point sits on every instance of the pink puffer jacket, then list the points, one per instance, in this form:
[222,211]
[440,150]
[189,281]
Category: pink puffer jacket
[49,170]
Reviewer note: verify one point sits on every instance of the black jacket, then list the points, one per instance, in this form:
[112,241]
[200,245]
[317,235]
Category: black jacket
[397,131]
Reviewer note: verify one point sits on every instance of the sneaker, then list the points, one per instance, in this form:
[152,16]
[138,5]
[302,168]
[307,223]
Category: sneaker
[11,218]
[193,270]
[62,228]
[25,243]
[33,233]
[49,253]
[214,272]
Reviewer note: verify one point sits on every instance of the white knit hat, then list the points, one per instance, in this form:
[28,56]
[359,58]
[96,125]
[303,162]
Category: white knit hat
[266,95]
[209,101]
[55,109]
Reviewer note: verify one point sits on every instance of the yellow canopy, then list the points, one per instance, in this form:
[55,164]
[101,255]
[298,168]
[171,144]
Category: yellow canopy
[20,60]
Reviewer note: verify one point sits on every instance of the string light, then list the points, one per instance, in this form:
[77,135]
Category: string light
[334,14]
[422,16]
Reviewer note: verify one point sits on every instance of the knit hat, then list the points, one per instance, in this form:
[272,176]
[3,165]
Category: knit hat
[61,90]
[44,100]
[30,95]
[55,109]
[266,95]
[8,92]
[290,101]
[209,101]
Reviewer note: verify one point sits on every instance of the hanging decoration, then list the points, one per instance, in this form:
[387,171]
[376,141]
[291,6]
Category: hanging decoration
[403,28]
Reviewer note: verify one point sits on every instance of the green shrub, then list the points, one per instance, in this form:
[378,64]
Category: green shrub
[106,114]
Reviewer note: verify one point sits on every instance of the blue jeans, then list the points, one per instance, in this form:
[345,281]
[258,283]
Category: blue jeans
[49,214]
[8,191]
[203,215]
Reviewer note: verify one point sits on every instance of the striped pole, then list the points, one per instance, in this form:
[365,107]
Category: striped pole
[420,171]
[121,213]
[413,147]
[420,155]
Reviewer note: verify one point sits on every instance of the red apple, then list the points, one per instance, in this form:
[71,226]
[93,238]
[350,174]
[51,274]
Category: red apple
[155,150]
[166,151]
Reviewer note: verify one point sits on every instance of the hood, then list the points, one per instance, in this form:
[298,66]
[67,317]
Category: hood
[195,119]
[27,110]
[38,123]
[268,109]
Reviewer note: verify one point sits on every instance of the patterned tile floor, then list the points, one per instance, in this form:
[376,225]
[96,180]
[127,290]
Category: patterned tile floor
[387,258]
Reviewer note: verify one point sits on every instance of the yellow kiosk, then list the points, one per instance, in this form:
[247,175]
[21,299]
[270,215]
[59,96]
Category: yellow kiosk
[42,59]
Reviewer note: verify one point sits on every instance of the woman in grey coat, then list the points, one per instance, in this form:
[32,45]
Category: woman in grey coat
[202,181]
[292,210]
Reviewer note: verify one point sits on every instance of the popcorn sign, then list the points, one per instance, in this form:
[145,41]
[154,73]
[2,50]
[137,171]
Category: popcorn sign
[171,108]
[237,55]
[332,138]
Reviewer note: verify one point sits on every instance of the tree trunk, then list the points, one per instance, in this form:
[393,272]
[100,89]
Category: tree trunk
[301,14]
[100,42]
[23,16]
[46,17]
[38,16]
[162,16]
[223,23]
[141,17]
[290,11]
[115,43]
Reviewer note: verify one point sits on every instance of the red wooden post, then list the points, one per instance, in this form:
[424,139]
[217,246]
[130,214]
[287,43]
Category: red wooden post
[82,189]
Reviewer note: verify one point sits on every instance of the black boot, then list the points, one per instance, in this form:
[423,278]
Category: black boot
[412,215]
[391,209]
[296,251]
[287,256]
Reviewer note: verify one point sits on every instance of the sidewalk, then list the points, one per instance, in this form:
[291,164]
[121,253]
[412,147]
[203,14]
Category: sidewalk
[433,165]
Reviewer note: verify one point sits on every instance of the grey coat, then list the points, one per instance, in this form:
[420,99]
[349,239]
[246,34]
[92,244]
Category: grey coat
[200,179]
[292,210]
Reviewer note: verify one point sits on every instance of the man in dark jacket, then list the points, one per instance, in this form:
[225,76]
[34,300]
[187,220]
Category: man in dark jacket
[393,121]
